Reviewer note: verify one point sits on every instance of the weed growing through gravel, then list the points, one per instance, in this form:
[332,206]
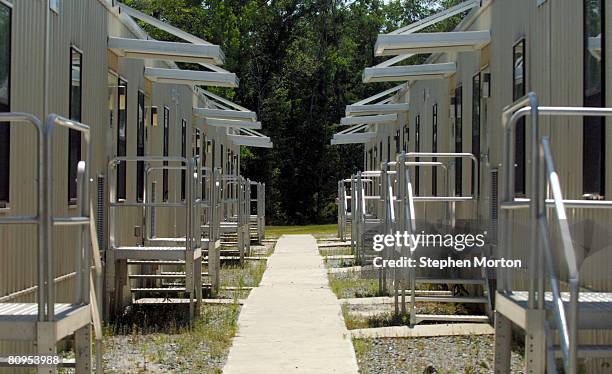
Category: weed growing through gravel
[350,284]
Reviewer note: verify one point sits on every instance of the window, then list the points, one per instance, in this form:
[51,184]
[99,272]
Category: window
[417,148]
[122,138]
[476,127]
[388,148]
[183,154]
[222,158]
[434,149]
[397,141]
[5,85]
[369,167]
[406,137]
[165,153]
[458,139]
[140,147]
[519,81]
[74,136]
[593,129]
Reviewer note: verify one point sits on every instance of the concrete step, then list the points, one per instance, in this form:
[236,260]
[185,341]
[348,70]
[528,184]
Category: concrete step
[451,318]
[422,280]
[161,276]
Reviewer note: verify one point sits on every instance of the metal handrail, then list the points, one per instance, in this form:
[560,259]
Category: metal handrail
[538,203]
[85,286]
[567,326]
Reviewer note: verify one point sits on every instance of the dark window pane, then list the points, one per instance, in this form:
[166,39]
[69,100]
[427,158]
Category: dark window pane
[476,126]
[183,154]
[74,137]
[434,148]
[519,76]
[140,146]
[5,75]
[165,150]
[593,131]
[417,148]
[122,138]
[458,140]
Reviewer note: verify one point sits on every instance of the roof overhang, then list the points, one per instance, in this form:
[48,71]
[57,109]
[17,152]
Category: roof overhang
[380,119]
[460,41]
[358,138]
[225,114]
[370,109]
[191,77]
[251,141]
[169,51]
[409,72]
[216,122]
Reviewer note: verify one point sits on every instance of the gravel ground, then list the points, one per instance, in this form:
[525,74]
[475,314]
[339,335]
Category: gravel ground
[167,348]
[453,354]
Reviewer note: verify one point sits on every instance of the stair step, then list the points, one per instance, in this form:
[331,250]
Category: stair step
[160,276]
[160,289]
[156,262]
[451,318]
[450,280]
[589,351]
[453,299]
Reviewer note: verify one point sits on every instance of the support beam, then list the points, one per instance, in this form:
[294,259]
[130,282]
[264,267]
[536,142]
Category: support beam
[432,42]
[355,110]
[357,138]
[191,77]
[168,51]
[225,114]
[409,72]
[251,141]
[380,119]
[216,122]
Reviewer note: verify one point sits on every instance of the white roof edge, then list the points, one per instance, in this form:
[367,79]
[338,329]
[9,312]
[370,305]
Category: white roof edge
[398,44]
[409,72]
[376,109]
[164,50]
[377,119]
[191,77]
[225,114]
[357,138]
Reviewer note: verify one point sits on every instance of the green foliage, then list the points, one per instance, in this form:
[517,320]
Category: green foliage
[299,63]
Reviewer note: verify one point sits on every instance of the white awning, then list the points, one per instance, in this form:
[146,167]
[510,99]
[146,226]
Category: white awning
[241,115]
[460,41]
[216,122]
[191,77]
[353,135]
[409,72]
[369,109]
[380,119]
[170,51]
[250,138]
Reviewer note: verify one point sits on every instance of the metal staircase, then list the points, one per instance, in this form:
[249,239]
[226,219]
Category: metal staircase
[400,216]
[46,321]
[153,254]
[545,316]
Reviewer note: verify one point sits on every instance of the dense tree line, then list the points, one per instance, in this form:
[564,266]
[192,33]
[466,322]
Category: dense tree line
[299,63]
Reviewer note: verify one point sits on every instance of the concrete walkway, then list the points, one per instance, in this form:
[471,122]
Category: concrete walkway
[292,323]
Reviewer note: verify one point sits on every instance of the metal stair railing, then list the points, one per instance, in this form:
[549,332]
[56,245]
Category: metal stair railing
[192,231]
[407,199]
[566,322]
[87,288]
[539,260]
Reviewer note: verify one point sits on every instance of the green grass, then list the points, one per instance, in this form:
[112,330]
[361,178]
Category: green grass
[349,285]
[316,230]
